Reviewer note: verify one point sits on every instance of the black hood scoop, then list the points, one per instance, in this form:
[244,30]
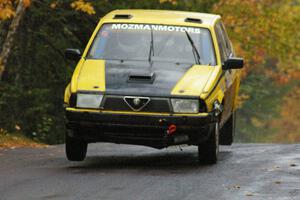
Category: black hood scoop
[140,78]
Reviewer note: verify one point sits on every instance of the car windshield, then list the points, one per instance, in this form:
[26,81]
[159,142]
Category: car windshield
[152,42]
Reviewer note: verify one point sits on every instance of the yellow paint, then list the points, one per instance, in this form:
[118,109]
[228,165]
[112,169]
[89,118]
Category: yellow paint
[214,38]
[156,17]
[67,94]
[194,81]
[92,38]
[92,76]
[162,17]
[135,113]
[74,80]
[216,94]
[202,81]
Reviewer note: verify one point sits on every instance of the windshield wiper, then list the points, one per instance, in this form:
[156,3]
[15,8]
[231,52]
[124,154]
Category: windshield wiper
[195,51]
[151,52]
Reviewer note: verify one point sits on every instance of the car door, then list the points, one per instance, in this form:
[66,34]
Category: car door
[226,51]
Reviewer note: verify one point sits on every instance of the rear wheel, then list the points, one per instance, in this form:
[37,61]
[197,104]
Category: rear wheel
[75,148]
[228,130]
[209,150]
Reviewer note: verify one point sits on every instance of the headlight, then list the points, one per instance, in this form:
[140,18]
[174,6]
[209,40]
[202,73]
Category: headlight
[185,105]
[88,100]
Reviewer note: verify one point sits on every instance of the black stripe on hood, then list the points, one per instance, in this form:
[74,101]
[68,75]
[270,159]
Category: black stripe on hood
[166,75]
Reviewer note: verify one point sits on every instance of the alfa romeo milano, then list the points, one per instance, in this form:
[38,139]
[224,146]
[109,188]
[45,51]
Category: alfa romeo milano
[154,78]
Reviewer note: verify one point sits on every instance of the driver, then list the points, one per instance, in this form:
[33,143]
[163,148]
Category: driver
[133,44]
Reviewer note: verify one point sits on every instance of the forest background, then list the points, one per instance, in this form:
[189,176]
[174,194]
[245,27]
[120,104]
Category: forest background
[34,72]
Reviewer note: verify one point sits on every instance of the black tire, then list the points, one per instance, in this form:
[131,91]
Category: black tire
[228,131]
[75,148]
[209,150]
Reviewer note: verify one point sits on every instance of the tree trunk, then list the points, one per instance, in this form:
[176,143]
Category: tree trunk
[9,40]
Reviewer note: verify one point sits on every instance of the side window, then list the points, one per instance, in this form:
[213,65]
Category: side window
[229,48]
[221,42]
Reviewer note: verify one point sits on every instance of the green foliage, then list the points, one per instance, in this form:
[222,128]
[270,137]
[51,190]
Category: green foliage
[264,104]
[31,95]
[265,33]
[264,30]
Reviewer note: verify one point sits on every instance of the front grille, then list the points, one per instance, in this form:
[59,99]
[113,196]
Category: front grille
[117,103]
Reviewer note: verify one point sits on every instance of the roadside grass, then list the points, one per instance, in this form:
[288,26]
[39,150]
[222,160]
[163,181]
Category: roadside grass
[16,140]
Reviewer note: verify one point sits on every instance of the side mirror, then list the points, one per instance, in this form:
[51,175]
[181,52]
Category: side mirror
[233,63]
[73,54]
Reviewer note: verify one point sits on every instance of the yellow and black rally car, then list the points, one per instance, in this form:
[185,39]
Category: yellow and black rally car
[153,78]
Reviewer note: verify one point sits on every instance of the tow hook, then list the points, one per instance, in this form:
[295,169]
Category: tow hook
[218,108]
[171,129]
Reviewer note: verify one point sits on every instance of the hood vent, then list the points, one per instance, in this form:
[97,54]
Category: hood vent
[122,16]
[141,78]
[193,20]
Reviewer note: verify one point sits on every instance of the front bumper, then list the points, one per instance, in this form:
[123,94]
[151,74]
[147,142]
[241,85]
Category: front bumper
[139,128]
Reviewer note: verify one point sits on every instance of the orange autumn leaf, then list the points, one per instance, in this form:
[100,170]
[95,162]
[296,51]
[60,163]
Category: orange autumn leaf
[6,9]
[83,6]
[26,3]
[263,30]
[53,5]
[288,124]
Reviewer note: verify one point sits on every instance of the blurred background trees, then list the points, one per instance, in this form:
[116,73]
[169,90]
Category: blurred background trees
[263,32]
[266,34]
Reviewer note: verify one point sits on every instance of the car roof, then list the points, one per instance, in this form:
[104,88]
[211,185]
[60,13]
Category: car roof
[161,17]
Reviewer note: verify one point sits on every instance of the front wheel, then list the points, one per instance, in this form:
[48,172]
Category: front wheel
[209,150]
[75,148]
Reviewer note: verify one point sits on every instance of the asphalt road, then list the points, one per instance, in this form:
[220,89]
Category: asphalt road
[121,172]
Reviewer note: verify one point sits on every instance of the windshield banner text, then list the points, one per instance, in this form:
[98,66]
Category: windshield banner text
[155,27]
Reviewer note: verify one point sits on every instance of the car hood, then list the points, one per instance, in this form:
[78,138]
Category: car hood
[142,78]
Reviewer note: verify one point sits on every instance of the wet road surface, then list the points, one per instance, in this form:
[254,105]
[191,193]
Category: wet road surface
[124,172]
